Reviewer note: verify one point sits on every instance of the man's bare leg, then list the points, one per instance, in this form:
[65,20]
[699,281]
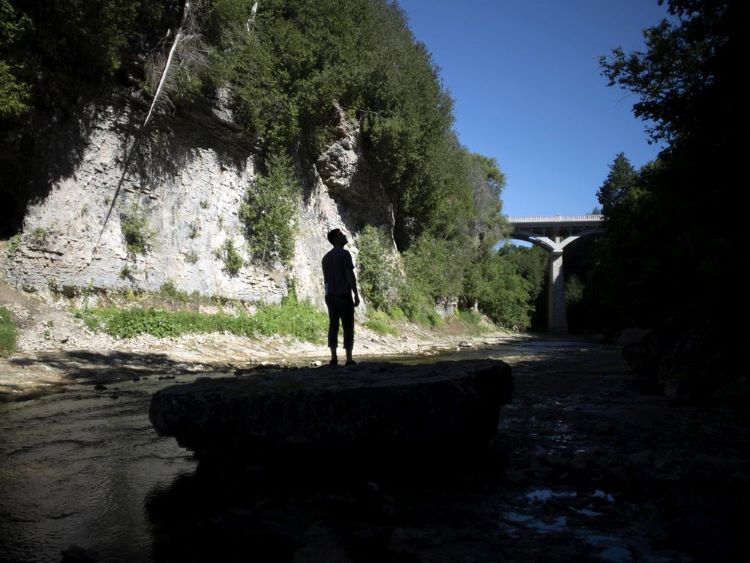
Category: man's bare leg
[334,358]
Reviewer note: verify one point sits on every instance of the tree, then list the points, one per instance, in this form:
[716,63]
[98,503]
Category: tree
[620,180]
[672,244]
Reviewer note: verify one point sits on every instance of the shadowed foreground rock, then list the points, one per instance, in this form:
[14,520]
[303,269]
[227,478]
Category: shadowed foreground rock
[373,410]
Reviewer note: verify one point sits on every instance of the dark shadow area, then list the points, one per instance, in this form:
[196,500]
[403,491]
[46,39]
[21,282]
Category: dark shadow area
[586,465]
[82,366]
[274,513]
[47,147]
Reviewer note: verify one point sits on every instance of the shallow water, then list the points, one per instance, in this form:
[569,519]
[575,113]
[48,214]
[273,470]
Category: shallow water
[75,468]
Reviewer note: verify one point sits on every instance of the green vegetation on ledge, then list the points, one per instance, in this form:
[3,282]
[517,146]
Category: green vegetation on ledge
[291,318]
[8,333]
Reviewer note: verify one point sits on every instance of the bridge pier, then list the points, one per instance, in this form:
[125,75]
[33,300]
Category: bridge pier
[557,318]
[554,233]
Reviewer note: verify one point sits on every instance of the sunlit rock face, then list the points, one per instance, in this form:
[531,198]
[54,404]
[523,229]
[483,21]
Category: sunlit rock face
[377,410]
[185,177]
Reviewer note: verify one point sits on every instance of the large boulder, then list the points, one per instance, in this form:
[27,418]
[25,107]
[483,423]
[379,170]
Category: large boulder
[376,410]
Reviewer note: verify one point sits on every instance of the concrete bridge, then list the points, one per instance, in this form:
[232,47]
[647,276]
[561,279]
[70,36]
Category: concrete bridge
[554,233]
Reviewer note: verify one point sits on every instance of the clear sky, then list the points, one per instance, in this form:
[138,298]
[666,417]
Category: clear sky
[528,90]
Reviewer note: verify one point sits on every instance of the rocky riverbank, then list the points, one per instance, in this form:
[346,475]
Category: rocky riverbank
[55,348]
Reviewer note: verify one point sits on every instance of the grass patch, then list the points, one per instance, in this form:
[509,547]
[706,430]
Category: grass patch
[469,322]
[292,318]
[8,333]
[380,322]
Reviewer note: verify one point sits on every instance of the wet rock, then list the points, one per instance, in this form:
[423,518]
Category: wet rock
[378,411]
[100,387]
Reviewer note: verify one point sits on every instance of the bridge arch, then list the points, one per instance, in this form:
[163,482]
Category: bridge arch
[554,233]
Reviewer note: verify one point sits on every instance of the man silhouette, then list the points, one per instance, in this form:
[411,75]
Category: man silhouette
[340,283]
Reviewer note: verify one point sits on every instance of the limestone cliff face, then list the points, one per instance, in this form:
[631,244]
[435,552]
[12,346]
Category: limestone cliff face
[185,185]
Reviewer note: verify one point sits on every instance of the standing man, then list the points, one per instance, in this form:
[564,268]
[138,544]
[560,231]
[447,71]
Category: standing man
[338,274]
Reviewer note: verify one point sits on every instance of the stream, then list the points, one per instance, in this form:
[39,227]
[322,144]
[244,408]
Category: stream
[85,468]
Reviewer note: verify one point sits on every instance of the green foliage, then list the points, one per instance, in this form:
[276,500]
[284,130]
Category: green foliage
[380,322]
[49,50]
[268,212]
[303,60]
[8,333]
[15,91]
[232,259]
[14,94]
[191,257]
[436,266]
[169,290]
[135,231]
[669,259]
[416,304]
[620,181]
[487,182]
[573,291]
[502,293]
[300,320]
[379,277]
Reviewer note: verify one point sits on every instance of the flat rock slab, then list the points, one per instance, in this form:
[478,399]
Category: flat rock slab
[371,408]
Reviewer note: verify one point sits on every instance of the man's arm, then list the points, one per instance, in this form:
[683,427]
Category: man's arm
[353,284]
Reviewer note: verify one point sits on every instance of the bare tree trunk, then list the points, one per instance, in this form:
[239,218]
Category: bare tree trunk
[251,20]
[178,36]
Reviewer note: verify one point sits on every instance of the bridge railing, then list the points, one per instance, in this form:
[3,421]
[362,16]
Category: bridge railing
[589,218]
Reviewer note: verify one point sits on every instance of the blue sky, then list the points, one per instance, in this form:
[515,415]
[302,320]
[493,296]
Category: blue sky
[528,91]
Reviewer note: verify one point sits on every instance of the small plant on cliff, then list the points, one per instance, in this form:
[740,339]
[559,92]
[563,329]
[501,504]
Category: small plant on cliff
[14,243]
[232,259]
[38,238]
[127,274]
[135,231]
[8,333]
[268,212]
[193,229]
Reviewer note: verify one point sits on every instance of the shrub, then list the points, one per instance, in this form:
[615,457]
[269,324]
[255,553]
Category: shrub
[8,333]
[268,212]
[135,231]
[378,274]
[169,290]
[233,261]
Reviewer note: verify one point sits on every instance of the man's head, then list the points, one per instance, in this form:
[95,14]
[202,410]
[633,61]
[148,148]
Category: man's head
[337,238]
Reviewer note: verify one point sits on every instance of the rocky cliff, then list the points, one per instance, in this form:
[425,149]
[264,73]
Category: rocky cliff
[181,183]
